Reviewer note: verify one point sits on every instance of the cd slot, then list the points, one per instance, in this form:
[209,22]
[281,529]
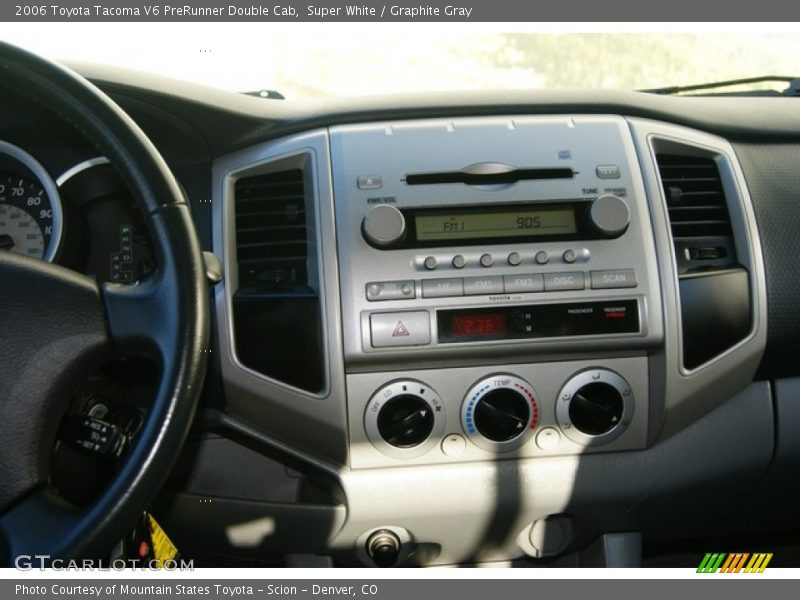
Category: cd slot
[488,174]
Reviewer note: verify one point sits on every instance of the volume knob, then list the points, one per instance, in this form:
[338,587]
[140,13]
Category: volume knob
[384,226]
[610,216]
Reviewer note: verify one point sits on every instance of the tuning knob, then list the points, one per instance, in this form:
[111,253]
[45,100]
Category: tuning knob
[610,216]
[384,226]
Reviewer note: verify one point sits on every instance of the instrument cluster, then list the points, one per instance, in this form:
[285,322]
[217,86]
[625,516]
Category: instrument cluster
[80,216]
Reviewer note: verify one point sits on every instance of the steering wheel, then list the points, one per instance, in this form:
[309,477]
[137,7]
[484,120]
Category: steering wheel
[57,327]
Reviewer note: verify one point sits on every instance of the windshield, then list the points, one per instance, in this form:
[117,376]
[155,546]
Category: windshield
[320,60]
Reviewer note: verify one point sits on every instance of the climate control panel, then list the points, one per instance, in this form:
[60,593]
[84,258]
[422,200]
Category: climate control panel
[485,413]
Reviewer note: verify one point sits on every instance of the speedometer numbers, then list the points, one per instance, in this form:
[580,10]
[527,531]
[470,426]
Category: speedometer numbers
[26,216]
[30,208]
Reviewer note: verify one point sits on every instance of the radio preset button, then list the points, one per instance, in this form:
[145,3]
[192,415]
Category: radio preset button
[514,259]
[431,263]
[412,328]
[542,257]
[442,288]
[523,283]
[560,282]
[569,256]
[615,278]
[459,262]
[487,260]
[390,290]
[477,286]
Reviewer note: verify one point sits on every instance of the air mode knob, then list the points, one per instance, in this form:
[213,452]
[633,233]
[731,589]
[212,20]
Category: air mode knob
[610,216]
[595,407]
[384,226]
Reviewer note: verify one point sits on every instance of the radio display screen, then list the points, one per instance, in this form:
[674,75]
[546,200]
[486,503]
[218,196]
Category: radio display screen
[516,223]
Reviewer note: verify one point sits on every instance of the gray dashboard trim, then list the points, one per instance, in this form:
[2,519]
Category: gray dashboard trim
[688,394]
[80,168]
[313,422]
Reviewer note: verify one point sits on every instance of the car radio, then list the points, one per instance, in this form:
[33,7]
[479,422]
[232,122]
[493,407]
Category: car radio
[483,237]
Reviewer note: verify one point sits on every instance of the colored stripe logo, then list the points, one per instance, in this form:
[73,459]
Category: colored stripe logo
[738,562]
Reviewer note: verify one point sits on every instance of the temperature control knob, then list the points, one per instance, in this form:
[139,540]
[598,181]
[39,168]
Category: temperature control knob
[500,412]
[384,226]
[404,418]
[610,216]
[595,407]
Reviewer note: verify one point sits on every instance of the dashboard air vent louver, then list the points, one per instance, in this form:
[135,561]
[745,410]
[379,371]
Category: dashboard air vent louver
[695,197]
[271,241]
[715,307]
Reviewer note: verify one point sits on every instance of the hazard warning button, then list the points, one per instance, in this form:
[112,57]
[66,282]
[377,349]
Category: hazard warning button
[409,328]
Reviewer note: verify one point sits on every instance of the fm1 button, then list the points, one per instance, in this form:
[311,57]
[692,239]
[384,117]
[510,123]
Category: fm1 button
[412,328]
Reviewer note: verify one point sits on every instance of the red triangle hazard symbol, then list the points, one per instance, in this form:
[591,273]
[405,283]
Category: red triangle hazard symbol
[400,330]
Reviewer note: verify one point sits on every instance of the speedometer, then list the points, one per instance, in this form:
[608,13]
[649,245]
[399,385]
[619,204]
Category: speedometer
[19,231]
[30,210]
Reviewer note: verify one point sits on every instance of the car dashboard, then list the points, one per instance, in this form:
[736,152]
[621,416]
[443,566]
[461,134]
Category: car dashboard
[465,329]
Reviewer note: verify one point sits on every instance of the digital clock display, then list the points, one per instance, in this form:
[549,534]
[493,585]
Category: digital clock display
[478,325]
[509,223]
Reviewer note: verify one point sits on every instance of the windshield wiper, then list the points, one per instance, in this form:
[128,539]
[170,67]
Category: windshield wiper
[792,90]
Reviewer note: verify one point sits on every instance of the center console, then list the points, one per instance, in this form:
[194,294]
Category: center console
[493,272]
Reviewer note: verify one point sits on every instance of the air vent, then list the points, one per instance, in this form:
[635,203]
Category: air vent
[695,198]
[715,308]
[277,297]
[271,244]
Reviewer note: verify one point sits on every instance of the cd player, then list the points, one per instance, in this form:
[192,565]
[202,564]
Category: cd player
[525,237]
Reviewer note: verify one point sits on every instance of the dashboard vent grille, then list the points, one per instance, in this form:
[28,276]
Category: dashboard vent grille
[695,198]
[271,238]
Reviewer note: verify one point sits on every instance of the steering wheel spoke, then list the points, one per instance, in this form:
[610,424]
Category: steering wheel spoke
[28,529]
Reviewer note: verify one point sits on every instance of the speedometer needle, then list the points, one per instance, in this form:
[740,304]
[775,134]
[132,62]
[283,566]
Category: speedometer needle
[6,242]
